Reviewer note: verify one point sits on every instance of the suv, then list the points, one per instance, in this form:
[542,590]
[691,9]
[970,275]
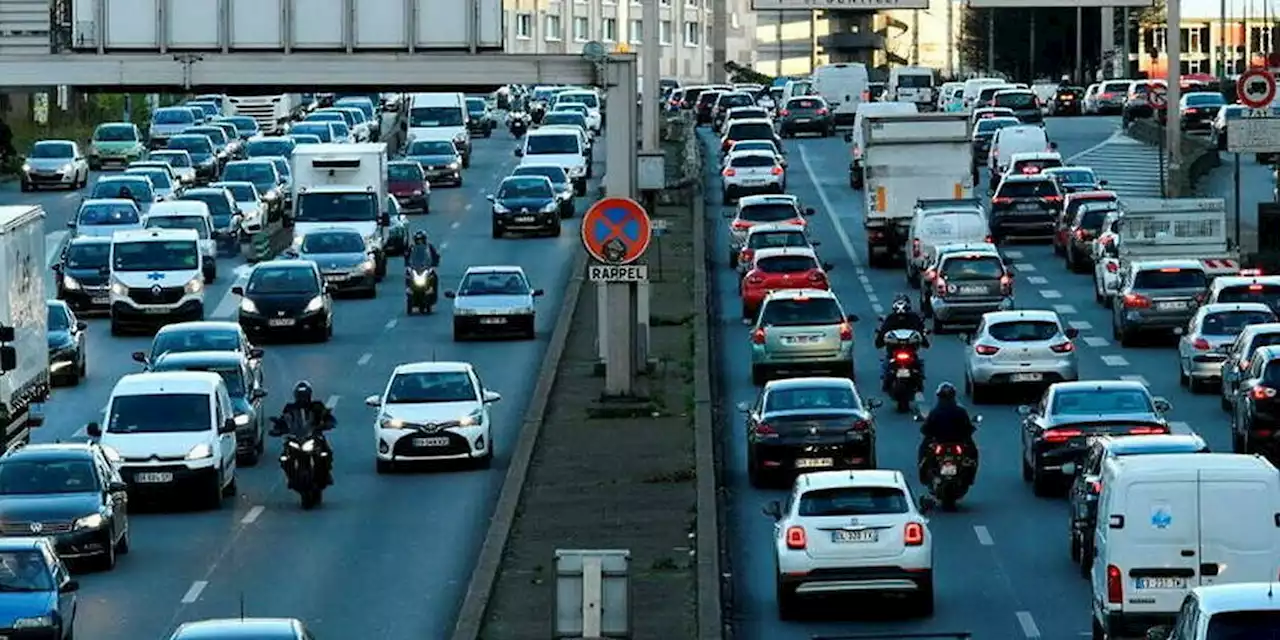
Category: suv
[1255,408]
[801,330]
[1025,206]
[706,101]
[983,131]
[1023,102]
[851,532]
[726,101]
[1240,352]
[1156,295]
[1264,289]
[965,281]
[806,114]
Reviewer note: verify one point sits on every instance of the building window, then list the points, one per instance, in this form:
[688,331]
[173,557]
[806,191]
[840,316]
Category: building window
[637,32]
[692,34]
[710,38]
[665,3]
[691,3]
[552,30]
[664,32]
[524,26]
[581,29]
[733,21]
[609,29]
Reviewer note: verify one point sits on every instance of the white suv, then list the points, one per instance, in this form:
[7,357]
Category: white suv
[851,532]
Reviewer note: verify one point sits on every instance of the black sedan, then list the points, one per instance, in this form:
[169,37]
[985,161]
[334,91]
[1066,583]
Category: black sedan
[525,204]
[66,344]
[69,492]
[246,395]
[797,425]
[439,159]
[286,298]
[1056,430]
[1199,109]
[82,274]
[38,589]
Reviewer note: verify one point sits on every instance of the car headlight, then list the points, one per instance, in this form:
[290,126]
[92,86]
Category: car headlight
[391,423]
[460,138]
[417,192]
[119,289]
[247,306]
[66,168]
[195,285]
[497,208]
[462,310]
[26,168]
[471,419]
[200,452]
[242,420]
[366,267]
[70,283]
[522,311]
[34,622]
[453,166]
[186,177]
[316,304]
[271,196]
[93,521]
[550,207]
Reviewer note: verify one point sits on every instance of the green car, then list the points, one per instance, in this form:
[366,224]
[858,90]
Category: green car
[116,144]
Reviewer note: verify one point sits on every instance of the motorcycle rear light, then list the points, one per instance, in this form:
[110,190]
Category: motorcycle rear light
[1136,301]
[846,332]
[730,172]
[784,113]
[986,350]
[957,449]
[1065,347]
[1262,393]
[777,171]
[1113,267]
[1001,200]
[913,534]
[796,538]
[1201,344]
[1061,435]
[1115,586]
[902,356]
[1149,431]
[758,336]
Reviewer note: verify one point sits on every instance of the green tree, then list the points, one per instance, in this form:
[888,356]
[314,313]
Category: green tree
[1153,15]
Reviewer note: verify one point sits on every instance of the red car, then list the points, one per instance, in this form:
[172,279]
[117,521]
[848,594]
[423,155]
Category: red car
[408,183]
[778,269]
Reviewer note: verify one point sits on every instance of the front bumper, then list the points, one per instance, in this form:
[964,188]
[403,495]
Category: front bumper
[83,543]
[341,282]
[410,445]
[532,221]
[992,373]
[49,178]
[418,202]
[962,309]
[259,325]
[182,478]
[86,299]
[189,309]
[494,325]
[105,162]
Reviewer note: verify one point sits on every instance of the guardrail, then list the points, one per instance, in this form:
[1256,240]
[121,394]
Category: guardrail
[1198,156]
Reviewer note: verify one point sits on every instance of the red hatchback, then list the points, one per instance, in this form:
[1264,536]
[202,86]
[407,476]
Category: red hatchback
[408,183]
[778,269]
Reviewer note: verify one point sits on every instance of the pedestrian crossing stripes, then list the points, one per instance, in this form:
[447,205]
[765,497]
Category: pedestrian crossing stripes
[1131,168]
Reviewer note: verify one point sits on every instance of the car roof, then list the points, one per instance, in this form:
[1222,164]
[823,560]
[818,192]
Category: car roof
[115,201]
[808,383]
[287,263]
[1262,327]
[494,268]
[1219,307]
[90,240]
[1155,265]
[231,628]
[135,235]
[774,252]
[1151,444]
[754,120]
[258,160]
[538,165]
[1098,385]
[150,382]
[1235,281]
[216,186]
[774,198]
[432,367]
[51,451]
[179,359]
[861,478]
[1238,596]
[794,294]
[1036,315]
[124,177]
[1023,177]
[540,132]
[775,227]
[336,228]
[1269,352]
[26,543]
[178,208]
[1013,89]
[981,247]
[1035,155]
[199,325]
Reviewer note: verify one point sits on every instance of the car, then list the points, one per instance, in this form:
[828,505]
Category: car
[271,146]
[327,132]
[103,217]
[587,98]
[778,235]
[243,387]
[939,222]
[479,119]
[286,297]
[988,113]
[207,335]
[758,129]
[439,159]
[1241,609]
[730,100]
[235,146]
[1075,179]
[72,494]
[705,102]
[66,336]
[562,146]
[203,154]
[800,425]
[55,163]
[1218,132]
[560,182]
[751,112]
[246,128]
[963,282]
[115,144]
[133,187]
[408,184]
[1240,353]
[167,122]
[343,259]
[984,129]
[1213,328]
[1033,162]
[179,161]
[361,131]
[1137,104]
[1156,296]
[801,330]
[264,176]
[221,143]
[37,592]
[82,272]
[780,269]
[1245,288]
[494,300]
[1023,102]
[433,412]
[285,171]
[756,145]
[805,114]
[1086,483]
[1084,214]
[300,138]
[751,173]
[1255,410]
[851,532]
[193,215]
[1055,429]
[227,215]
[170,173]
[1012,348]
[1089,103]
[1112,97]
[763,209]
[242,629]
[525,204]
[1025,206]
[1199,109]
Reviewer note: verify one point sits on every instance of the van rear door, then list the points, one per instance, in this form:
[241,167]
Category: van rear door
[1158,555]
[1238,533]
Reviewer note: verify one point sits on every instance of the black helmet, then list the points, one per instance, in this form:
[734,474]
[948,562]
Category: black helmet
[420,237]
[901,304]
[302,392]
[946,391]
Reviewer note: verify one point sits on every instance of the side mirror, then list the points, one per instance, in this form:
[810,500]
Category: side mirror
[1162,405]
[1069,469]
[1024,410]
[491,396]
[827,266]
[1072,333]
[93,430]
[140,357]
[808,211]
[256,353]
[81,325]
[373,401]
[519,152]
[70,586]
[773,509]
[927,504]
[1159,633]
[71,224]
[384,220]
[874,403]
[848,137]
[228,426]
[237,290]
[538,293]
[117,487]
[1102,183]
[450,295]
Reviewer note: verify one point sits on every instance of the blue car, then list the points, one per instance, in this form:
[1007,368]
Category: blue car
[37,593]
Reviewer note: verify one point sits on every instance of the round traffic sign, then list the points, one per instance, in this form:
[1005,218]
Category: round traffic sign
[616,231]
[1158,97]
[1256,88]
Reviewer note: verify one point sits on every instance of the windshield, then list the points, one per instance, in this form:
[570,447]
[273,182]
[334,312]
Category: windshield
[1205,100]
[57,318]
[172,255]
[853,501]
[282,167]
[405,172]
[36,477]
[340,129]
[1015,100]
[305,138]
[242,191]
[553,144]
[196,145]
[159,177]
[218,136]
[587,99]
[180,222]
[786,264]
[1023,331]
[768,213]
[136,190]
[259,173]
[292,280]
[53,150]
[1231,323]
[977,268]
[753,145]
[271,147]
[812,399]
[107,214]
[159,413]
[751,161]
[219,208]
[88,255]
[476,105]
[332,242]
[578,109]
[337,207]
[735,100]
[526,188]
[1268,294]
[801,312]
[1074,176]
[1101,402]
[991,125]
[441,386]
[777,239]
[1027,189]
[115,133]
[805,103]
[316,129]
[1092,218]
[1173,279]
[435,117]
[1244,625]
[555,174]
[496,283]
[173,116]
[179,160]
[750,131]
[564,117]
[432,148]
[914,81]
[24,571]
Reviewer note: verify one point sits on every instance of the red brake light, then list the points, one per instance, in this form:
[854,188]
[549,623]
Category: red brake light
[1115,588]
[796,538]
[741,224]
[902,356]
[817,277]
[1193,110]
[1061,435]
[1030,170]
[763,430]
[846,331]
[757,336]
[986,350]
[937,449]
[1136,301]
[1065,347]
[1113,267]
[1149,431]
[957,449]
[1262,393]
[784,112]
[1255,287]
[1095,487]
[1201,344]
[754,278]
[1052,198]
[730,172]
[913,534]
[1082,234]
[1001,200]
[777,171]
[861,425]
[822,112]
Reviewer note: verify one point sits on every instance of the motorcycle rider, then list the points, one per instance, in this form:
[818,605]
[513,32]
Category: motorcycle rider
[901,316]
[313,417]
[421,254]
[947,423]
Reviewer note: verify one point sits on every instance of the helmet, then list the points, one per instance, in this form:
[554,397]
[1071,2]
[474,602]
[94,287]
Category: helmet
[420,237]
[1066,78]
[946,391]
[302,392]
[901,304]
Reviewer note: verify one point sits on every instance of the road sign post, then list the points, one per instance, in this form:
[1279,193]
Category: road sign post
[616,232]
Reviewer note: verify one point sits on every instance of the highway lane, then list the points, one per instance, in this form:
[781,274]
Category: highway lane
[1001,563]
[387,556]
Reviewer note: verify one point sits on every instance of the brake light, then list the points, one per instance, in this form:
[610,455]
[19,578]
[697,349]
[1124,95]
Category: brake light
[846,332]
[986,350]
[796,538]
[1030,170]
[763,430]
[757,336]
[861,425]
[1095,487]
[915,247]
[1148,431]
[777,171]
[1115,588]
[1061,435]
[913,534]
[741,224]
[957,449]
[1170,270]
[1113,267]
[1136,301]
[822,112]
[1193,110]
[1001,200]
[1255,287]
[1065,347]
[937,449]
[1262,393]
[755,278]
[902,356]
[1200,344]
[784,113]
[817,277]
[1052,198]
[730,172]
[1083,234]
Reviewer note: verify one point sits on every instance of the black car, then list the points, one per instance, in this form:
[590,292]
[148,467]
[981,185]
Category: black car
[223,210]
[286,298]
[479,120]
[559,181]
[1023,102]
[983,131]
[1025,206]
[525,204]
[203,154]
[69,492]
[1067,101]
[806,114]
[804,424]
[82,274]
[1199,110]
[727,101]
[706,102]
[37,589]
[1255,407]
[243,629]
[66,344]
[245,391]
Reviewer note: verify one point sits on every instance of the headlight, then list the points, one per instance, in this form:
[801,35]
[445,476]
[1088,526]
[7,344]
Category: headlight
[460,138]
[93,521]
[549,207]
[119,289]
[186,177]
[522,311]
[391,423]
[69,283]
[66,168]
[316,304]
[366,267]
[497,208]
[247,306]
[309,446]
[195,285]
[26,168]
[32,623]
[271,195]
[462,311]
[420,280]
[242,420]
[200,452]
[470,420]
[417,192]
[453,166]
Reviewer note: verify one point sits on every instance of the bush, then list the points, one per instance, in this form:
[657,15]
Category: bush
[78,122]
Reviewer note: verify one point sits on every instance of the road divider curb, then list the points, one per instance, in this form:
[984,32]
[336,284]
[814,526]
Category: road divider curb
[1199,156]
[265,244]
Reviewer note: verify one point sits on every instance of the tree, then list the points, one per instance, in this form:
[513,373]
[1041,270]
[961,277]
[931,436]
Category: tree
[1153,15]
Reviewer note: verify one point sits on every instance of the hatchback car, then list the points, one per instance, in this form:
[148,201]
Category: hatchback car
[272,146]
[1011,348]
[806,114]
[83,270]
[757,210]
[166,188]
[494,300]
[55,163]
[1240,352]
[243,628]
[1025,206]
[115,145]
[778,235]
[761,129]
[408,183]
[801,330]
[343,258]
[525,204]
[756,145]
[725,102]
[1255,407]
[37,592]
[286,297]
[560,182]
[1075,179]
[103,217]
[433,412]
[1084,215]
[742,113]
[964,282]
[1199,109]
[983,131]
[66,341]
[202,152]
[752,172]
[133,187]
[1260,288]
[180,161]
[248,209]
[779,269]
[1201,347]
[1156,295]
[1218,131]
[1023,103]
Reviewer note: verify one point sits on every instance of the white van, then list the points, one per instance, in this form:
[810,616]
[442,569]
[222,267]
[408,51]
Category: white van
[973,86]
[172,432]
[844,86]
[1025,138]
[855,136]
[188,214]
[439,116]
[1169,523]
[156,278]
[559,147]
[940,223]
[912,84]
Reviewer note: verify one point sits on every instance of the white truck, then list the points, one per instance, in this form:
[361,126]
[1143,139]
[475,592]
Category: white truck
[271,113]
[343,185]
[24,347]
[1155,229]
[908,157]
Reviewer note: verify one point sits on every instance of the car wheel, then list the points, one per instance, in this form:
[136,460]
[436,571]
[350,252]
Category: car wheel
[496,231]
[214,497]
[1041,485]
[759,375]
[108,560]
[788,603]
[923,599]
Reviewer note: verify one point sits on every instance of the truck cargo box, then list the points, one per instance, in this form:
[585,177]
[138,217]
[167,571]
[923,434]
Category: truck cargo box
[22,267]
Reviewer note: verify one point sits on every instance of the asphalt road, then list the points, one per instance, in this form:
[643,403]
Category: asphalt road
[1002,569]
[386,556]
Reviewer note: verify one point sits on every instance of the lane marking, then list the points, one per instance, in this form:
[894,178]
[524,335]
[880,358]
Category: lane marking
[444,245]
[877,309]
[1119,133]
[70,195]
[194,592]
[364,359]
[831,209]
[1115,361]
[1037,280]
[455,225]
[1080,325]
[984,536]
[468,207]
[252,516]
[226,306]
[391,324]
[873,298]
[332,401]
[1136,378]
[1096,341]
[1050,294]
[1064,309]
[1024,268]
[1029,628]
[864,280]
[1013,255]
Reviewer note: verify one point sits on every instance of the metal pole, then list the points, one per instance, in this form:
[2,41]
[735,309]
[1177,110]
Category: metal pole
[1080,46]
[778,34]
[1107,22]
[720,44]
[1173,123]
[915,37]
[951,46]
[651,56]
[1236,200]
[1124,15]
[991,42]
[618,324]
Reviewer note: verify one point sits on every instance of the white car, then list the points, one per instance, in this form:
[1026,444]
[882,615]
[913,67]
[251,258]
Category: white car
[55,163]
[247,198]
[744,146]
[777,235]
[1106,261]
[743,113]
[851,532]
[180,160]
[1022,347]
[188,214]
[433,411]
[752,172]
[494,300]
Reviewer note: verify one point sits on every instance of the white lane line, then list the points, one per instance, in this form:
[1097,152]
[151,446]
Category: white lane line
[1064,309]
[864,280]
[877,309]
[1050,294]
[1136,378]
[1080,325]
[1115,361]
[859,270]
[1096,342]
[1024,268]
[253,515]
[391,324]
[444,245]
[1029,628]
[226,306]
[364,359]
[984,536]
[831,209]
[455,225]
[72,194]
[872,298]
[331,401]
[1118,134]
[1037,280]
[1013,255]
[194,592]
[468,207]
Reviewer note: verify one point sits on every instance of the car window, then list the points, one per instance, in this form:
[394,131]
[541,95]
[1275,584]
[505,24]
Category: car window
[436,386]
[1023,331]
[25,571]
[1101,402]
[196,223]
[1027,189]
[811,398]
[786,264]
[1074,176]
[784,312]
[186,341]
[752,161]
[89,255]
[852,501]
[750,131]
[524,188]
[991,125]
[1265,293]
[332,243]
[176,255]
[296,280]
[805,103]
[1205,100]
[58,319]
[777,240]
[508,283]
[1173,279]
[1016,100]
[1230,323]
[975,268]
[49,149]
[35,477]
[107,214]
[159,413]
[405,172]
[1037,165]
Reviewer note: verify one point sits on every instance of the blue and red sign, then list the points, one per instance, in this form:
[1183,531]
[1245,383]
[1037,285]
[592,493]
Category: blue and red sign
[616,231]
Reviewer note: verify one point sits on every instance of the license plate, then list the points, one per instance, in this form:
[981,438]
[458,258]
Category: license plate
[430,442]
[153,478]
[1027,377]
[334,278]
[1028,207]
[1162,583]
[155,310]
[814,463]
[802,120]
[973,289]
[948,469]
[864,535]
[524,218]
[799,339]
[281,322]
[1172,306]
[100,300]
[903,373]
[493,320]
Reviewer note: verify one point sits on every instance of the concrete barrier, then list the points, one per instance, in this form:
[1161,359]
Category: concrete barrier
[1198,157]
[265,244]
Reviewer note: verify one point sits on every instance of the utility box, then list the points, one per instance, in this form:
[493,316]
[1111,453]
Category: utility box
[593,594]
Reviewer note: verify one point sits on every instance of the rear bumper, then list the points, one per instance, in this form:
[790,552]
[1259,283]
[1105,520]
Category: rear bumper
[953,310]
[821,582]
[1001,374]
[782,458]
[1138,321]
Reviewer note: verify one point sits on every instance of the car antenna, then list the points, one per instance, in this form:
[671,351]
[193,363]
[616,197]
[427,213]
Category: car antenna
[242,604]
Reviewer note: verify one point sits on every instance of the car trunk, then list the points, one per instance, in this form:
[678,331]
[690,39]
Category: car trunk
[866,519]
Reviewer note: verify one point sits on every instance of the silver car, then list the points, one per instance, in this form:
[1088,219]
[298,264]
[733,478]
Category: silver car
[751,172]
[253,210]
[1011,348]
[286,177]
[756,210]
[964,282]
[494,300]
[1156,295]
[166,188]
[776,235]
[179,160]
[343,258]
[55,163]
[801,330]
[1239,354]
[102,217]
[1201,352]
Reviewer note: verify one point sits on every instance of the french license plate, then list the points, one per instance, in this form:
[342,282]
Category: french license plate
[973,289]
[1162,583]
[949,469]
[155,310]
[100,300]
[903,373]
[493,320]
[430,442]
[334,278]
[863,535]
[799,339]
[281,322]
[524,218]
[802,120]
[153,478]
[1028,207]
[1027,377]
[1172,306]
[814,463]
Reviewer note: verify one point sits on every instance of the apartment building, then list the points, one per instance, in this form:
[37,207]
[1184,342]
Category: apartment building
[684,30]
[1247,44]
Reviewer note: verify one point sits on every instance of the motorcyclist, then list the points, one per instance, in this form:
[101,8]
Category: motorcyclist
[947,423]
[421,253]
[313,418]
[901,316]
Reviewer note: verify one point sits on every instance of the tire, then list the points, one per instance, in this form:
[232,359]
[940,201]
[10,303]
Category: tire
[923,600]
[107,561]
[214,499]
[496,232]
[788,604]
[555,231]
[123,545]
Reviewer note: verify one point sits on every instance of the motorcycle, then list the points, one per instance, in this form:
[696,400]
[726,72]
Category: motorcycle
[305,463]
[421,291]
[518,124]
[537,111]
[949,472]
[906,372]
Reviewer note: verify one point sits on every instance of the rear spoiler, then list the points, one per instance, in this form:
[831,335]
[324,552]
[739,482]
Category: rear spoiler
[953,635]
[947,203]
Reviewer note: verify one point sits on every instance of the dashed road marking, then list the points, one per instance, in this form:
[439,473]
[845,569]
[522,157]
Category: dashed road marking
[1064,309]
[1013,255]
[1050,294]
[253,515]
[391,324]
[194,592]
[1024,268]
[831,209]
[1096,342]
[1028,624]
[1037,280]
[1080,325]
[455,225]
[864,280]
[1136,378]
[444,245]
[332,401]
[226,306]
[364,359]
[871,297]
[877,309]
[984,536]
[1115,361]
[468,207]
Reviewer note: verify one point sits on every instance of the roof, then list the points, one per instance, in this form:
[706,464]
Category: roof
[1042,315]
[1143,265]
[547,132]
[1239,596]
[760,120]
[432,367]
[124,177]
[860,478]
[1202,462]
[807,383]
[231,628]
[1220,307]
[56,303]
[168,152]
[1024,177]
[774,252]
[286,263]
[792,294]
[158,235]
[90,240]
[118,201]
[1013,89]
[1097,385]
[331,229]
[178,208]
[1264,327]
[54,451]
[166,381]
[773,198]
[1152,444]
[494,268]
[183,359]
[983,247]
[199,325]
[257,160]
[1035,155]
[219,185]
